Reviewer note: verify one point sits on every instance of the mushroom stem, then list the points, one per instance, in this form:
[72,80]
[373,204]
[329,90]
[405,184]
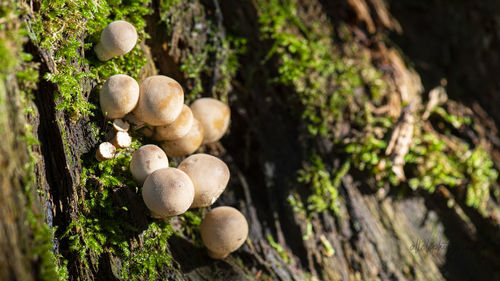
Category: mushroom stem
[217,256]
[122,140]
[120,125]
[105,151]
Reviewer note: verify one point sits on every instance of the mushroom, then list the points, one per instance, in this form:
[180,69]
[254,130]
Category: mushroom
[122,140]
[119,95]
[105,151]
[160,101]
[223,230]
[187,144]
[168,192]
[210,176]
[118,38]
[214,117]
[179,128]
[120,125]
[146,160]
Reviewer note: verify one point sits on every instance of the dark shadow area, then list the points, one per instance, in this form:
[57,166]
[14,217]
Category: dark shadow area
[465,260]
[456,40]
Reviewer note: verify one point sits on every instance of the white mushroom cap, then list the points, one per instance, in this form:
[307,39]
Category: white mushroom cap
[105,151]
[118,38]
[223,230]
[160,101]
[146,160]
[187,144]
[210,176]
[179,128]
[214,116]
[119,95]
[168,192]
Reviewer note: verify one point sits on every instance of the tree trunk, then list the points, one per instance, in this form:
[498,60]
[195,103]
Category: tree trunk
[332,141]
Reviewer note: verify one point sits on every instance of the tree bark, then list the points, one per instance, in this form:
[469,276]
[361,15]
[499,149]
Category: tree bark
[377,234]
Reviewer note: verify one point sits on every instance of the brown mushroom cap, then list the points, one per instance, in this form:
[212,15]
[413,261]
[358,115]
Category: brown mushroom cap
[119,95]
[214,116]
[168,192]
[223,230]
[210,176]
[146,160]
[179,128]
[187,144]
[160,101]
[118,38]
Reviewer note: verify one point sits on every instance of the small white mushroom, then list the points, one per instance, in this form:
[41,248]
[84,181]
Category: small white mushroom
[223,230]
[160,101]
[120,125]
[214,117]
[179,128]
[146,160]
[119,95]
[210,176]
[118,38]
[105,151]
[187,144]
[122,140]
[168,192]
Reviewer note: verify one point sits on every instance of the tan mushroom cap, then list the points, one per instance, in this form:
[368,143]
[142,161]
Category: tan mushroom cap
[223,230]
[179,128]
[118,38]
[146,160]
[187,144]
[160,101]
[168,192]
[118,96]
[214,116]
[210,176]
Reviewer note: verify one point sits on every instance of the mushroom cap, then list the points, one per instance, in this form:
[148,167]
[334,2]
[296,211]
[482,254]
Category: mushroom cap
[210,176]
[214,116]
[179,128]
[146,160]
[187,144]
[118,38]
[160,101]
[168,192]
[118,96]
[223,230]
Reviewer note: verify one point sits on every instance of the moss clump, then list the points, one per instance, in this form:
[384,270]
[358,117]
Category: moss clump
[336,85]
[17,66]
[59,27]
[210,60]
[105,225]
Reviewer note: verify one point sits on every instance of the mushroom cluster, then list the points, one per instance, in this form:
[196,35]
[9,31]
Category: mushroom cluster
[155,106]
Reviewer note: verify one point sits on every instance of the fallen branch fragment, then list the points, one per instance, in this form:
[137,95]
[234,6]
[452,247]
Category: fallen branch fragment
[401,139]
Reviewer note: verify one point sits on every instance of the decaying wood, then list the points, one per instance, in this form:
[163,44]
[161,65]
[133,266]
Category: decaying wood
[373,237]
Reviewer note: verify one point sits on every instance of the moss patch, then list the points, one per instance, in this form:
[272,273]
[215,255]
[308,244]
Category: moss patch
[337,84]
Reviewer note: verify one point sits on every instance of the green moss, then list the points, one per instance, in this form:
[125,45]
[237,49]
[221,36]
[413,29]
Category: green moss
[336,84]
[59,28]
[17,65]
[282,252]
[211,59]
[105,226]
[324,189]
